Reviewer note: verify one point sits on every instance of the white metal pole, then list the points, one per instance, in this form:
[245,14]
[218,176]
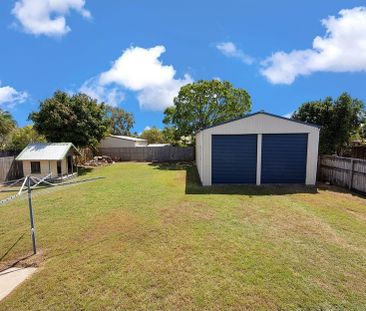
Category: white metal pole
[259,159]
[33,231]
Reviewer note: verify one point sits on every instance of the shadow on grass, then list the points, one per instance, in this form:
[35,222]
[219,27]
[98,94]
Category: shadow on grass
[11,247]
[15,263]
[329,187]
[83,171]
[194,186]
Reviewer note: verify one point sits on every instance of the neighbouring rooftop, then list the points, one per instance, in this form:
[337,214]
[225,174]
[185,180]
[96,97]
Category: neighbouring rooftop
[128,138]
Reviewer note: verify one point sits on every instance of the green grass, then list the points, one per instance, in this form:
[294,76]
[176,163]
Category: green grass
[148,237]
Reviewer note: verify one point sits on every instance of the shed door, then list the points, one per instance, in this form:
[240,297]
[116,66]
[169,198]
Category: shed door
[284,158]
[234,159]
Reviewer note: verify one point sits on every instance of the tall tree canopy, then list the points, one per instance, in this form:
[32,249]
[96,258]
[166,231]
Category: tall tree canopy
[22,136]
[78,119]
[363,132]
[169,134]
[340,120]
[205,103]
[121,121]
[7,125]
[153,136]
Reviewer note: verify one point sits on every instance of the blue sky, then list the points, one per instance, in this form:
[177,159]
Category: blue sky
[136,54]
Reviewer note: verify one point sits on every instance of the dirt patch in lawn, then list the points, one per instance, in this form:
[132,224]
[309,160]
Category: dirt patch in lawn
[26,261]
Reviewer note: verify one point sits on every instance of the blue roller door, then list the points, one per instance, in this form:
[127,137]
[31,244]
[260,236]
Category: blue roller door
[234,159]
[284,158]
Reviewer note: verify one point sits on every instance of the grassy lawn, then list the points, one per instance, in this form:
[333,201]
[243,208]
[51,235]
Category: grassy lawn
[149,238]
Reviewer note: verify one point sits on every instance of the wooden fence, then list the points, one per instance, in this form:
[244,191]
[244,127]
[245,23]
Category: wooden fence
[358,152]
[345,172]
[10,169]
[149,154]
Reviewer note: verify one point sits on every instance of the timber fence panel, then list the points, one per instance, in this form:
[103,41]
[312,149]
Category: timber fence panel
[10,169]
[359,175]
[345,172]
[149,154]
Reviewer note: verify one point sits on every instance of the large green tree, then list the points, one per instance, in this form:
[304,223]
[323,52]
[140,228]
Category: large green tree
[71,118]
[169,133]
[153,136]
[205,103]
[121,121]
[22,136]
[363,132]
[7,125]
[340,120]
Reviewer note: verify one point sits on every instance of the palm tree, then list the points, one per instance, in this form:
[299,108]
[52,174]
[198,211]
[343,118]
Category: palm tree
[7,124]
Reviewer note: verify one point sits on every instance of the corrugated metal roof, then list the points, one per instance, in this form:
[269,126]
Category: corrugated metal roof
[128,138]
[46,151]
[265,113]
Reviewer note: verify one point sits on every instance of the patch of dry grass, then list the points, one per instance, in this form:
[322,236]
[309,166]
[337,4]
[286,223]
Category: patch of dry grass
[148,237]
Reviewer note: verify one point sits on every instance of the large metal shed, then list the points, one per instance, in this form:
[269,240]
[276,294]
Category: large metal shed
[260,148]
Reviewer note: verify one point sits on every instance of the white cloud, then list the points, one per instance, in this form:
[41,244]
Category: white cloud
[110,95]
[9,96]
[47,17]
[229,49]
[160,97]
[341,49]
[140,70]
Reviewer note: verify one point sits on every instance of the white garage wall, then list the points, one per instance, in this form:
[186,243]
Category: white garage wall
[199,161]
[260,123]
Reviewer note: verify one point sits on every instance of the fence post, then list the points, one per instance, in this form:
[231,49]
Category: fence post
[33,232]
[351,174]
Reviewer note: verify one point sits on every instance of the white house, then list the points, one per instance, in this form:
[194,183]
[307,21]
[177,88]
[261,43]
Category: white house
[41,159]
[118,141]
[260,148]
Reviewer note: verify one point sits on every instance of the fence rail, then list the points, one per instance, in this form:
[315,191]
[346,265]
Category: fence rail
[149,154]
[345,172]
[10,169]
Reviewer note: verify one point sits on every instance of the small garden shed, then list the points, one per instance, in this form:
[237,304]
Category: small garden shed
[260,148]
[41,159]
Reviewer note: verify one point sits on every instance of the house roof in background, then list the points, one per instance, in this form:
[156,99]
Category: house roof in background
[158,145]
[46,151]
[128,138]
